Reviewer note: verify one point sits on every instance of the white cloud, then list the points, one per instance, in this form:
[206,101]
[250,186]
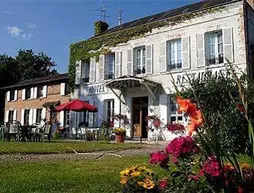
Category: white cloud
[14,31]
[27,36]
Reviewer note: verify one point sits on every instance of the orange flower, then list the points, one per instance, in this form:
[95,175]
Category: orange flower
[195,123]
[183,104]
[197,117]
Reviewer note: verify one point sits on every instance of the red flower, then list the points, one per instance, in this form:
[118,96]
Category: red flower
[163,183]
[240,190]
[160,158]
[211,167]
[181,146]
[175,127]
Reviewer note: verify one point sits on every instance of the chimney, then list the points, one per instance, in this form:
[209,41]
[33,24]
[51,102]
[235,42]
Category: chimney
[251,3]
[100,27]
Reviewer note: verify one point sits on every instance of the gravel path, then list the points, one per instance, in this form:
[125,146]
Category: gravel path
[79,156]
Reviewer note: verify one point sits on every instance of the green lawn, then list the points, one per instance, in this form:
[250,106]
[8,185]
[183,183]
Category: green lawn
[61,147]
[84,176]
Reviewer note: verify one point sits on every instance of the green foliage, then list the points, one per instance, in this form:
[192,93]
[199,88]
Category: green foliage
[91,48]
[100,27]
[217,98]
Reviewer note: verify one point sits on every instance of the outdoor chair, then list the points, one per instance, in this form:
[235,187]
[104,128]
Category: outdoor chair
[14,128]
[34,134]
[3,130]
[83,132]
[46,131]
[75,132]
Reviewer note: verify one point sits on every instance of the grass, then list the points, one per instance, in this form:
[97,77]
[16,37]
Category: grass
[61,147]
[83,176]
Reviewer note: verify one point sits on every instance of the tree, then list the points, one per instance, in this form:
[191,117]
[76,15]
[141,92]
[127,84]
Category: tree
[26,65]
[33,66]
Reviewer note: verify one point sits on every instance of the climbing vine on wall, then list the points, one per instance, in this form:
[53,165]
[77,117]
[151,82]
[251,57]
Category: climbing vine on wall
[97,45]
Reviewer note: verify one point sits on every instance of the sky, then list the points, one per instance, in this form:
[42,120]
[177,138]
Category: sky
[50,26]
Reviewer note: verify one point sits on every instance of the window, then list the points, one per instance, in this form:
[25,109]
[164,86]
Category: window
[86,71]
[67,89]
[26,116]
[109,111]
[12,95]
[174,53]
[214,48]
[110,65]
[140,60]
[38,115]
[28,93]
[67,118]
[11,116]
[175,116]
[39,91]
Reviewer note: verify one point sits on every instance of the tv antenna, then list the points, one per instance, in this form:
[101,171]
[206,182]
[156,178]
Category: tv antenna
[120,11]
[103,11]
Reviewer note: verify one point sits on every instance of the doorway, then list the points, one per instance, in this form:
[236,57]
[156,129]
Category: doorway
[139,114]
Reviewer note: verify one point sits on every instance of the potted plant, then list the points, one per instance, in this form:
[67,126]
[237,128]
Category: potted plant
[120,134]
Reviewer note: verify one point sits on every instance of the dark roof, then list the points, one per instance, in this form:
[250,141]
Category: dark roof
[171,13]
[36,81]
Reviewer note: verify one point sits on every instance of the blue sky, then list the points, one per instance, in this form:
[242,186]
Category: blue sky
[50,26]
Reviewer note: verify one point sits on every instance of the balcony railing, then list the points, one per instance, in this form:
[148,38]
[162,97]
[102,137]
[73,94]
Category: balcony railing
[215,60]
[109,76]
[140,71]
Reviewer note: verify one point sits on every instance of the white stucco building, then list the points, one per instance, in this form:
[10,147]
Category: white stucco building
[134,79]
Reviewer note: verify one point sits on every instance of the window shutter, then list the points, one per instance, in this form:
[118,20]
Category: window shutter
[62,118]
[101,67]
[129,63]
[185,52]
[149,59]
[15,115]
[62,89]
[43,113]
[35,92]
[22,116]
[23,94]
[200,50]
[34,115]
[16,95]
[163,107]
[44,93]
[92,69]
[117,64]
[6,118]
[31,93]
[8,96]
[78,72]
[228,45]
[30,116]
[106,68]
[162,57]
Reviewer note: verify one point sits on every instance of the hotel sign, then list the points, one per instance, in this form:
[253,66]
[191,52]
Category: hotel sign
[96,89]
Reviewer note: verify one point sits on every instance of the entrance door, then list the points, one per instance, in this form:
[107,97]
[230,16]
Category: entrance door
[139,113]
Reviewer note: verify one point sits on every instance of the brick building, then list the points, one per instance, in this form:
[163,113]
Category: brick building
[30,101]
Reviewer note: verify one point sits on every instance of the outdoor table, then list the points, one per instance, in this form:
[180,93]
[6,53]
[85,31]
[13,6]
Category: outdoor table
[26,132]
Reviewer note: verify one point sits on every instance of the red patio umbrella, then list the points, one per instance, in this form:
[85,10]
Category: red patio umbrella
[76,105]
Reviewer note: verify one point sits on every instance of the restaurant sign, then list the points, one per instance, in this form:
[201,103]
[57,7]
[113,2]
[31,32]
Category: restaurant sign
[96,89]
[183,78]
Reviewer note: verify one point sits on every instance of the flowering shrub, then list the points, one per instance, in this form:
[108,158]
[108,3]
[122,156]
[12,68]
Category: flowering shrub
[138,179]
[155,121]
[160,158]
[181,147]
[175,127]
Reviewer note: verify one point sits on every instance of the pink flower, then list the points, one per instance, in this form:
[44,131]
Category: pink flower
[160,158]
[211,167]
[163,183]
[181,146]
